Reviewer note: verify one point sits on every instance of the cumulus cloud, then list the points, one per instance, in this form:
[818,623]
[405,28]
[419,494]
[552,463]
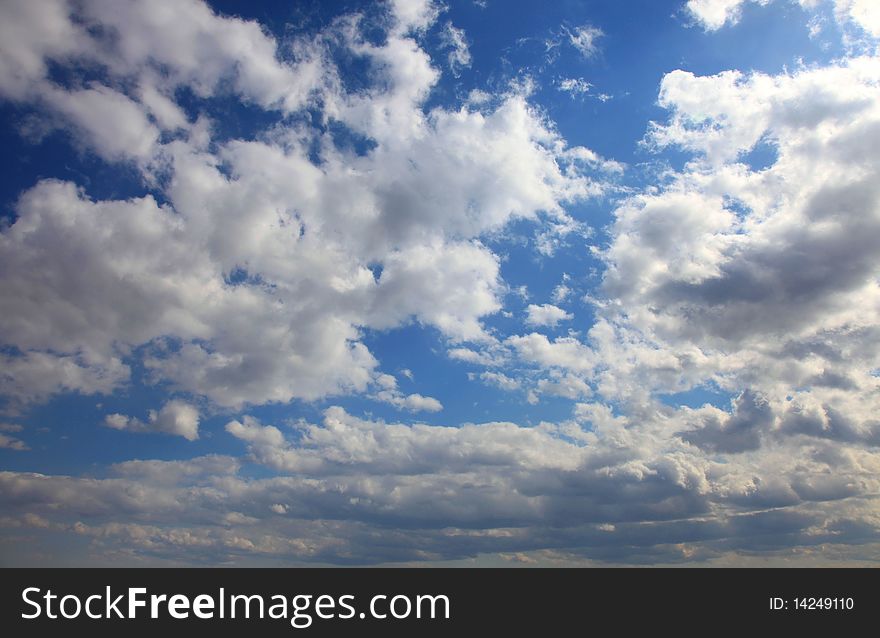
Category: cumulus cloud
[414,15]
[345,444]
[251,271]
[864,13]
[759,279]
[569,386]
[388,392]
[714,14]
[736,432]
[251,281]
[517,489]
[545,315]
[499,380]
[176,417]
[562,352]
[747,254]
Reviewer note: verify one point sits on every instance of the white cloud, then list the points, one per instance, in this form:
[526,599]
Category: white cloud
[569,386]
[760,280]
[115,126]
[389,393]
[31,33]
[255,237]
[459,56]
[562,291]
[256,278]
[500,380]
[35,376]
[414,15]
[418,403]
[563,352]
[714,14]
[545,315]
[346,444]
[604,486]
[584,39]
[774,251]
[575,86]
[176,417]
[864,13]
[478,357]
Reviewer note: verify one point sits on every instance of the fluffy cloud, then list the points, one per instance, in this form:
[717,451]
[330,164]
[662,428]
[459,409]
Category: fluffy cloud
[346,444]
[728,256]
[389,393]
[545,315]
[253,279]
[249,271]
[414,15]
[563,352]
[187,41]
[610,487]
[862,12]
[762,280]
[499,380]
[714,14]
[175,417]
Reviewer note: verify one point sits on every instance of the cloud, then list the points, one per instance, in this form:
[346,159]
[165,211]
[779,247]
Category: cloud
[584,39]
[562,352]
[563,290]
[252,270]
[175,417]
[111,123]
[346,444]
[36,376]
[545,315]
[864,13]
[414,15]
[604,487]
[737,432]
[752,254]
[459,55]
[575,86]
[714,14]
[569,386]
[759,279]
[487,357]
[500,380]
[389,393]
[11,443]
[256,236]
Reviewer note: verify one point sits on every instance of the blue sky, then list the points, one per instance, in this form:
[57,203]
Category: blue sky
[496,282]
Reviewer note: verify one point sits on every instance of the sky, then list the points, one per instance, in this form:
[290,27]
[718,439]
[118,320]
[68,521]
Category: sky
[473,283]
